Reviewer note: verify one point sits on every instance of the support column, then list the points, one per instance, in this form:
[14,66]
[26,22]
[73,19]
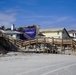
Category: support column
[44,44]
[36,44]
[72,46]
[61,46]
[52,45]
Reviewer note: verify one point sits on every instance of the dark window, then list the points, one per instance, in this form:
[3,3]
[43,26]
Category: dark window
[63,32]
[58,32]
[18,34]
[59,36]
[73,34]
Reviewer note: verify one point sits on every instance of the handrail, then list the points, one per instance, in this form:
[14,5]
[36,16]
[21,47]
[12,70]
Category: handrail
[22,43]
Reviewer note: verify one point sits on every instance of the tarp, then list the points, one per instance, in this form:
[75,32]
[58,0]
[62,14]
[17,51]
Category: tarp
[31,32]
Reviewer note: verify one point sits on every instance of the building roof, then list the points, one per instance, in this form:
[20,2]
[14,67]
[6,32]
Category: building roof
[72,31]
[10,32]
[52,29]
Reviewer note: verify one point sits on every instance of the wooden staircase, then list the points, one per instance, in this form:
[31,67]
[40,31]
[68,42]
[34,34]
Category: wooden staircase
[52,41]
[74,45]
[19,42]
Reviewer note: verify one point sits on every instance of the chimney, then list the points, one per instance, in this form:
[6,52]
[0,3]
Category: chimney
[37,29]
[12,26]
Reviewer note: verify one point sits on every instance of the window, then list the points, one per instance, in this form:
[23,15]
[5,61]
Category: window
[63,32]
[59,37]
[73,34]
[11,35]
[58,32]
[18,35]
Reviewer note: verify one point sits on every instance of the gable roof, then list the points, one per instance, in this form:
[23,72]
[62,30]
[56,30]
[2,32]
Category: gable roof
[55,29]
[52,29]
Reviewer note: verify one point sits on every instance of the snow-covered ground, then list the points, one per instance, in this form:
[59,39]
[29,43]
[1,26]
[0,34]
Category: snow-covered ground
[37,64]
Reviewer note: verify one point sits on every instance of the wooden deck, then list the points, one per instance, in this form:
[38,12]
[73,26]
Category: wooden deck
[52,41]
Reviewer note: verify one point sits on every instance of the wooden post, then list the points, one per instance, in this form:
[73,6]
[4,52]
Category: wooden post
[2,39]
[75,49]
[8,38]
[36,44]
[72,45]
[29,44]
[14,41]
[47,50]
[61,46]
[44,44]
[64,49]
[25,47]
[39,47]
[21,43]
[2,35]
[52,44]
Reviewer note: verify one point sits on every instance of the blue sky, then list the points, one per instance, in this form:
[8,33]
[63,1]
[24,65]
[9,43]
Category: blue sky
[46,13]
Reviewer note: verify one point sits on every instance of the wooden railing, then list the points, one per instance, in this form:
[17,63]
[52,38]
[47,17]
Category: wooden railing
[22,43]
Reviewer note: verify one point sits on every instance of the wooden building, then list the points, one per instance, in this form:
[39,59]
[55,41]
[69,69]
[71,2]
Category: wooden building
[72,33]
[55,33]
[14,34]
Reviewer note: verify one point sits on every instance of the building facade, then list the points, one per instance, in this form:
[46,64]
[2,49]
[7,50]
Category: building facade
[72,33]
[55,33]
[14,34]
